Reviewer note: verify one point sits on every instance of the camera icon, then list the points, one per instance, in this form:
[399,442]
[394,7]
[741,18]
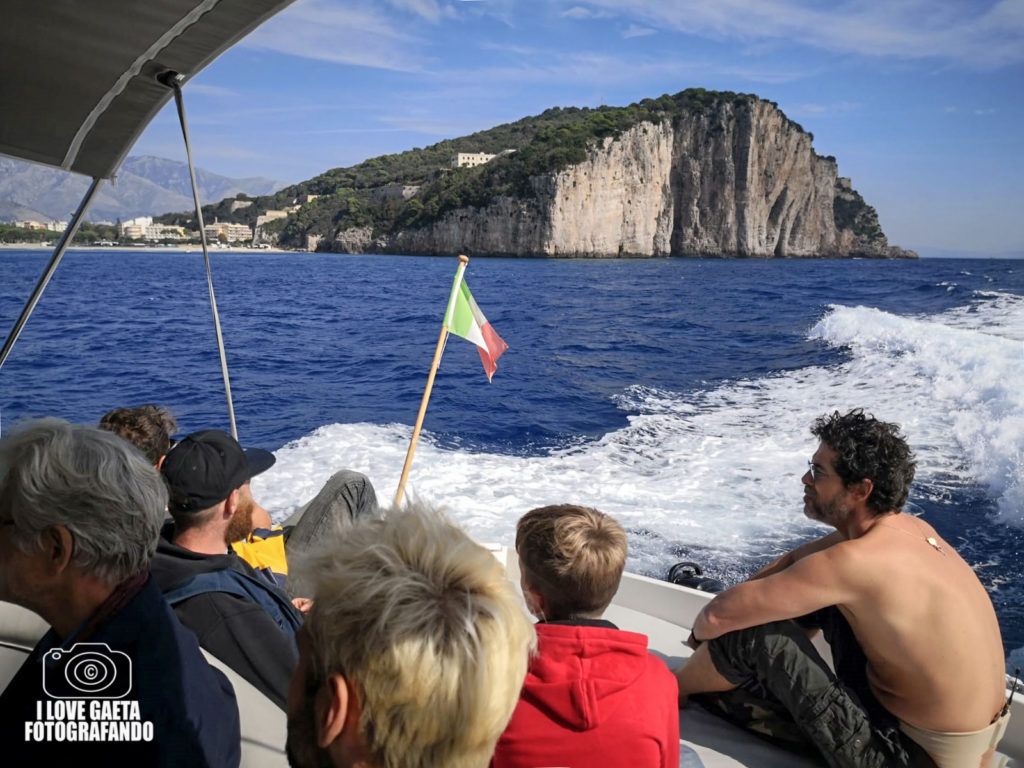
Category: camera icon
[87,671]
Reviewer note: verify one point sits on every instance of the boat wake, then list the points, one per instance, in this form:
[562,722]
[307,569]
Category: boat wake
[714,474]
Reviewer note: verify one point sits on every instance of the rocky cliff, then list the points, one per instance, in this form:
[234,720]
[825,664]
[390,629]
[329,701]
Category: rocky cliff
[738,179]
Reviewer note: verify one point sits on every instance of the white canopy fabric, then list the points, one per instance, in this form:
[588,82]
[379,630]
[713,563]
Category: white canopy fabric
[78,78]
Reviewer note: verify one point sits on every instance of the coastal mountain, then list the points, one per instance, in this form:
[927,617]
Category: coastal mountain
[698,173]
[145,186]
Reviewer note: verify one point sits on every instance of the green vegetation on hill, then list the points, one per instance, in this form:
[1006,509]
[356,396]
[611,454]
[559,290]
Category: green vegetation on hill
[851,212]
[559,137]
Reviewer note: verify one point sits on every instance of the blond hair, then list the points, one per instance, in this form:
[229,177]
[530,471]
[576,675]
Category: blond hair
[573,556]
[427,626]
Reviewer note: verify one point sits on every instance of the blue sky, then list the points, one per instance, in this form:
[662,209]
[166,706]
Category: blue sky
[919,100]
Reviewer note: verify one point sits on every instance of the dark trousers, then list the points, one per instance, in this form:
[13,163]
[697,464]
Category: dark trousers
[788,694]
[345,498]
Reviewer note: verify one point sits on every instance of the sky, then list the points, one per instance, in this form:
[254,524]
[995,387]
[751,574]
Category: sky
[920,101]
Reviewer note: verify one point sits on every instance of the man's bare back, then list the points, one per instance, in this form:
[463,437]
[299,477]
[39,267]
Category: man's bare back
[926,625]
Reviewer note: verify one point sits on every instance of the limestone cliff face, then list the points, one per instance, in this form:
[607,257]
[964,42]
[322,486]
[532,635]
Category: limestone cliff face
[738,180]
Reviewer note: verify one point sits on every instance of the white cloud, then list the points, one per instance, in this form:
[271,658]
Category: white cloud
[199,89]
[988,111]
[332,131]
[820,110]
[967,32]
[579,12]
[353,34]
[429,125]
[582,69]
[766,75]
[635,30]
[427,9]
[518,50]
[949,110]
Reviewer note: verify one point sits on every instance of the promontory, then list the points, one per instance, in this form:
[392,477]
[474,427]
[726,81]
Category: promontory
[700,173]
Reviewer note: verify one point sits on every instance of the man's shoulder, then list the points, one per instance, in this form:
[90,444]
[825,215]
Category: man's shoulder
[839,551]
[172,563]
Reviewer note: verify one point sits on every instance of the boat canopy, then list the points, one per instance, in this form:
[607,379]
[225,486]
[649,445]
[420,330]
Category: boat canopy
[80,79]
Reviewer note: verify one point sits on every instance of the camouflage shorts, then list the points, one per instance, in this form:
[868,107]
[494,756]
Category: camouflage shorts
[788,695]
[765,717]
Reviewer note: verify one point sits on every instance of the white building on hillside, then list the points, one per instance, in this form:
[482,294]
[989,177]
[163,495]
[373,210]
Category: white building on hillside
[470,159]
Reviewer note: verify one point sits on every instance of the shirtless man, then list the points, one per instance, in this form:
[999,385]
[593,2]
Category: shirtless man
[917,647]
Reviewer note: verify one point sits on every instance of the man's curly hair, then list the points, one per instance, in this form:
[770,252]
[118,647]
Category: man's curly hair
[148,428]
[869,449]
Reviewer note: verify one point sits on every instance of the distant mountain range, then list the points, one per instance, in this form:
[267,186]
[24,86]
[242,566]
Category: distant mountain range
[145,186]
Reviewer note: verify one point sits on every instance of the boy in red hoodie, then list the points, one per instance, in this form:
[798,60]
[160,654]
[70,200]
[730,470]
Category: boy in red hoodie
[593,694]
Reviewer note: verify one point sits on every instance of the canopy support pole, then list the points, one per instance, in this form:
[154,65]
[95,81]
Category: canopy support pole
[172,80]
[58,254]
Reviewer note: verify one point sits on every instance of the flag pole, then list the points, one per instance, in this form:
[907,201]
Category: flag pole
[463,261]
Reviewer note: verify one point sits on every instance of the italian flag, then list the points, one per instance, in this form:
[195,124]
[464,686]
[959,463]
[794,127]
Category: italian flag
[465,319]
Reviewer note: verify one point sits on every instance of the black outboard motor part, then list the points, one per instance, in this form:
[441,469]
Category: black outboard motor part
[688,574]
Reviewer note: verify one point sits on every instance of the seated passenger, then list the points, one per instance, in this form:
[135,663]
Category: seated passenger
[918,657]
[117,680]
[148,427]
[239,615]
[413,653]
[345,497]
[593,695]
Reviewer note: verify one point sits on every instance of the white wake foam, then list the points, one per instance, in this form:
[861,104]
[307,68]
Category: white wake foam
[958,382]
[720,469]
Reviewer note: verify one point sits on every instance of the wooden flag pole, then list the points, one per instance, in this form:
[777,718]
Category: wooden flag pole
[463,261]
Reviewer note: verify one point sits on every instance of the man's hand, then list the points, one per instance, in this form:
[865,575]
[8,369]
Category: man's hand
[693,642]
[303,603]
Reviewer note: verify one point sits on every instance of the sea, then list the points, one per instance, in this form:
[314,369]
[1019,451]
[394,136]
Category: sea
[673,394]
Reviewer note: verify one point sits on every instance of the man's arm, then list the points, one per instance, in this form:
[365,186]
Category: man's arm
[799,553]
[814,581]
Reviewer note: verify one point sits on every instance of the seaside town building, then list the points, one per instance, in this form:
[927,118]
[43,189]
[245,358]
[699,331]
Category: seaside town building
[231,232]
[143,228]
[50,226]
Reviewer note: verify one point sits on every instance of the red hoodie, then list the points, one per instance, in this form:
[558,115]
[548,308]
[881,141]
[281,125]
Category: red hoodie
[593,696]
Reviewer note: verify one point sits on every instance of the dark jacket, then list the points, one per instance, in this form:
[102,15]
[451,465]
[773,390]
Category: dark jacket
[237,631]
[152,660]
[593,695]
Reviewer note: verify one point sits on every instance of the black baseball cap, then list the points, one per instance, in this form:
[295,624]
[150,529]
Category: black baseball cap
[205,467]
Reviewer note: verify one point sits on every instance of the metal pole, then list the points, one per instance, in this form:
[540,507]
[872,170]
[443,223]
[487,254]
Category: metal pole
[172,80]
[58,254]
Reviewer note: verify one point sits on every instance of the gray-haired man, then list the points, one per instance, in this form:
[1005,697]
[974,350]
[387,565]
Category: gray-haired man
[117,678]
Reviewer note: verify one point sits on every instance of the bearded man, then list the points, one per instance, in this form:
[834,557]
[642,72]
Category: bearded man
[239,614]
[918,657]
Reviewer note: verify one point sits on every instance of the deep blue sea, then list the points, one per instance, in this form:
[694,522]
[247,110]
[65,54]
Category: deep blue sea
[675,394]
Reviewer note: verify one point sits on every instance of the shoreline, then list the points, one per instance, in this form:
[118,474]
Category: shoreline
[142,248]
